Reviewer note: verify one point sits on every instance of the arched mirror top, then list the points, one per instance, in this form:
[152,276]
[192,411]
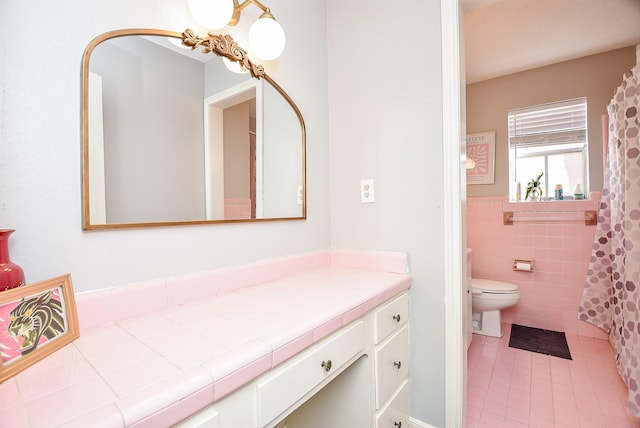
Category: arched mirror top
[170,136]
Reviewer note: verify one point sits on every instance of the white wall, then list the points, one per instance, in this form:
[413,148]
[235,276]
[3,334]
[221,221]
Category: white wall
[41,46]
[153,167]
[237,148]
[281,154]
[385,95]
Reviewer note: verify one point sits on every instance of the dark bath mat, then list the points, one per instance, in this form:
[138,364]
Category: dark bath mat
[547,342]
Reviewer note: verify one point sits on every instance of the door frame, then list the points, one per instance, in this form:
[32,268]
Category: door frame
[453,121]
[214,106]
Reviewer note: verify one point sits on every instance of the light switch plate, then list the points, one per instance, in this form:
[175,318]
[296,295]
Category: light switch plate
[367,194]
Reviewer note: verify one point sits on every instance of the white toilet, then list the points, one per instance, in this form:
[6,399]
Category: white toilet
[488,299]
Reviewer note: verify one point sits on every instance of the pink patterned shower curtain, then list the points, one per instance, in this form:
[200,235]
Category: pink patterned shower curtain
[611,298]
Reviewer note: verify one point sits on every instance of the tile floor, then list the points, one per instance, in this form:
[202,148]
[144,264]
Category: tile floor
[512,388]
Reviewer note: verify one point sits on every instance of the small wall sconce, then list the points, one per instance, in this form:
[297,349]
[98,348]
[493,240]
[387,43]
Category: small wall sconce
[266,36]
[470,163]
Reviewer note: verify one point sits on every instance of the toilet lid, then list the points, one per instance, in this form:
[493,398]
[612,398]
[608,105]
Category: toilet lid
[491,286]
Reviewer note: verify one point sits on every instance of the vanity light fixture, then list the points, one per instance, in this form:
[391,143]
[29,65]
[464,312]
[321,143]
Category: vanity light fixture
[266,36]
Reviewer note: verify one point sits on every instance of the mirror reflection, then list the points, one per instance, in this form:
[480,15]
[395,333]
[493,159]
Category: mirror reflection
[171,136]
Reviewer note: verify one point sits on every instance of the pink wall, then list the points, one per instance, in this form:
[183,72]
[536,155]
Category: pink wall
[560,250]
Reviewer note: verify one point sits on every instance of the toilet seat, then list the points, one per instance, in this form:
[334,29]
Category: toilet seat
[488,286]
[488,298]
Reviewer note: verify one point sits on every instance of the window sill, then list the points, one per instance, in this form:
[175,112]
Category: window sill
[554,210]
[566,205]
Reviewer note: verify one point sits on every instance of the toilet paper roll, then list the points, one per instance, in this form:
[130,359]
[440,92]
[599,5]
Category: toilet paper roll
[526,266]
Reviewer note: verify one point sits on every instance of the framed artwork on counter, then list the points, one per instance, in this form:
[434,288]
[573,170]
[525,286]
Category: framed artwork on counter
[35,321]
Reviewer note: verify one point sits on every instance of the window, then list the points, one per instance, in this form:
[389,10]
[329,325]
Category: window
[549,138]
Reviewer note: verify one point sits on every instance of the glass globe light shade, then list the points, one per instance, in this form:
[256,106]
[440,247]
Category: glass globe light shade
[266,38]
[211,14]
[233,66]
[470,163]
[178,43]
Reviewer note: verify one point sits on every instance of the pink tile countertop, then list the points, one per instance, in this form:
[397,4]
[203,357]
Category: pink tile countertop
[153,353]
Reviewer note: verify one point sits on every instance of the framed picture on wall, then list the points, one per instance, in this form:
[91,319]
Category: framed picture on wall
[481,155]
[35,320]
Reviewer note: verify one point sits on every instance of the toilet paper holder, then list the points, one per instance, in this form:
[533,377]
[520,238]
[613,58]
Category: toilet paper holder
[523,265]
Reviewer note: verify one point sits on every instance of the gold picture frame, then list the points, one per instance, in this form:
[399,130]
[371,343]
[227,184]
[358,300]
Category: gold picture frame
[51,303]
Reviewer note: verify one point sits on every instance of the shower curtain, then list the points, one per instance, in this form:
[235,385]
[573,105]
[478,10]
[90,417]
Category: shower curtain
[611,298]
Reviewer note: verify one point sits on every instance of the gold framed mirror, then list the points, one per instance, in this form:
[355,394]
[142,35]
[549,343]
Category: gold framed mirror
[171,136]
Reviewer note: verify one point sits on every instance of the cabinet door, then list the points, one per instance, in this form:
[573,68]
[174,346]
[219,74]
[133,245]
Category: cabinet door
[396,413]
[392,364]
[391,316]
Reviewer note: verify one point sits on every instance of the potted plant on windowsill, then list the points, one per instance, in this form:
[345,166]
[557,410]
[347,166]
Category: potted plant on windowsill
[533,189]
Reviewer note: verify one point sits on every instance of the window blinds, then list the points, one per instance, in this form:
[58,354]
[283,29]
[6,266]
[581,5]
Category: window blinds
[563,122]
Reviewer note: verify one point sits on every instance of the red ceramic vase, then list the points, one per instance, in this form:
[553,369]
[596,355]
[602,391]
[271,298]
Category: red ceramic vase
[11,275]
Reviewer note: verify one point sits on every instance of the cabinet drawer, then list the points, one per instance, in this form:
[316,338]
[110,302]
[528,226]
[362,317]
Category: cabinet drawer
[234,410]
[295,378]
[391,364]
[391,316]
[207,418]
[396,413]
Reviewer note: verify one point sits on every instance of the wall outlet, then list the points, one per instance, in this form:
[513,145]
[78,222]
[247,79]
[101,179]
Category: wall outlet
[299,195]
[367,194]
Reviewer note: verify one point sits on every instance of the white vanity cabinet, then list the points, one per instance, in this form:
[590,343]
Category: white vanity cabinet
[265,401]
[235,410]
[356,377]
[396,413]
[392,363]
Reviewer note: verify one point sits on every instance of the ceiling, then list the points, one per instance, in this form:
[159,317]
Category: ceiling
[506,36]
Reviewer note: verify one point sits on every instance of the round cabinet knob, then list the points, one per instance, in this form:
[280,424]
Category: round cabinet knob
[397,318]
[326,365]
[398,364]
